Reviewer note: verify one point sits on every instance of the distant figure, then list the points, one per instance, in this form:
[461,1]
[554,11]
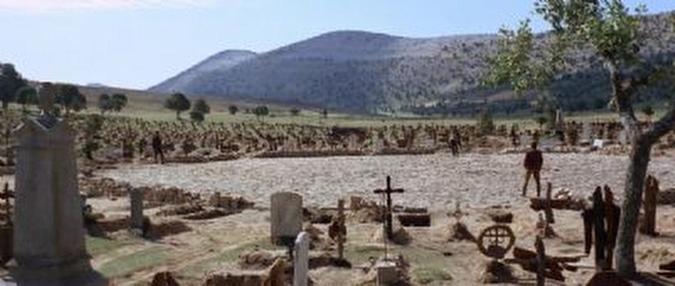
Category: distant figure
[515,138]
[455,143]
[157,147]
[533,163]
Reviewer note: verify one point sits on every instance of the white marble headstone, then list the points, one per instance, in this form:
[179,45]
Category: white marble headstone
[301,259]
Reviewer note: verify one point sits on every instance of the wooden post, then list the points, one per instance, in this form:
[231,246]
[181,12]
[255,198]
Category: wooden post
[599,227]
[549,211]
[588,217]
[649,204]
[541,261]
[341,220]
[612,214]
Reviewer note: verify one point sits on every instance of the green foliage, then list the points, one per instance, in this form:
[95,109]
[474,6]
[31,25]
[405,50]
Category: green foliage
[70,98]
[26,95]
[92,126]
[426,275]
[486,125]
[261,111]
[119,101]
[197,116]
[178,103]
[648,110]
[233,109]
[10,82]
[295,111]
[201,106]
[104,103]
[541,120]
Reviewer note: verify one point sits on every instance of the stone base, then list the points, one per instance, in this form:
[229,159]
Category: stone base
[387,273]
[73,273]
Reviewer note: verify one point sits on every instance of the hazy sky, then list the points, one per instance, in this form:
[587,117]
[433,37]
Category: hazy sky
[138,43]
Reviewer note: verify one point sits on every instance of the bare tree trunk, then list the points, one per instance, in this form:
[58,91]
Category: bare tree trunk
[635,180]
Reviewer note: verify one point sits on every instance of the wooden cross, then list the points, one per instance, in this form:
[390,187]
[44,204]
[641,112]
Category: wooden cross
[388,225]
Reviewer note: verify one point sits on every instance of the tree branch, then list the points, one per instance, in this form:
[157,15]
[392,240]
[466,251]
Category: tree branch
[661,127]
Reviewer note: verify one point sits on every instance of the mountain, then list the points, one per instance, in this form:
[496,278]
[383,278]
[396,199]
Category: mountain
[214,64]
[365,72]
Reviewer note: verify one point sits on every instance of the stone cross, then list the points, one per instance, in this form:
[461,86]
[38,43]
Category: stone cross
[136,201]
[301,259]
[388,221]
[48,223]
[285,217]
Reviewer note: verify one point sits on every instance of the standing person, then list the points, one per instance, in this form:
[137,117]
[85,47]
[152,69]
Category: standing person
[157,147]
[455,142]
[533,162]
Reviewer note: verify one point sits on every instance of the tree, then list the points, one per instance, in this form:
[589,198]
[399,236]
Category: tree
[486,125]
[70,98]
[615,36]
[648,111]
[118,101]
[105,103]
[25,96]
[178,103]
[261,111]
[10,83]
[541,120]
[197,116]
[199,109]
[201,106]
[233,109]
[294,111]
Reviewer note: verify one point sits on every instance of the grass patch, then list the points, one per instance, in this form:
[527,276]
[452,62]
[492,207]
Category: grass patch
[97,246]
[426,275]
[361,253]
[227,256]
[128,264]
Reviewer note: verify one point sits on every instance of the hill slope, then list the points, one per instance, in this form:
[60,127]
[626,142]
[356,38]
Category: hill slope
[369,73]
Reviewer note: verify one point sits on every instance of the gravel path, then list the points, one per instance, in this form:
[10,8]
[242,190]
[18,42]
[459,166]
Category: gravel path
[434,181]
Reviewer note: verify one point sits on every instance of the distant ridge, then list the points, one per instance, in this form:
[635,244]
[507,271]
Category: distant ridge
[364,72]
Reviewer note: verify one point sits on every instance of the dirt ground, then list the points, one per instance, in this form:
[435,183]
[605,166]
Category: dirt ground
[478,182]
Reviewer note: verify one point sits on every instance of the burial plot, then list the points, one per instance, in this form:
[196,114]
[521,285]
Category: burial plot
[49,234]
[286,217]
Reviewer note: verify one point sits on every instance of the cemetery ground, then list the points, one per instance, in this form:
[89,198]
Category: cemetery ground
[482,184]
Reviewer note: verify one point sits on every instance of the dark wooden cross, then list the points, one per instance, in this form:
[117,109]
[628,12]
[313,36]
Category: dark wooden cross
[6,195]
[388,224]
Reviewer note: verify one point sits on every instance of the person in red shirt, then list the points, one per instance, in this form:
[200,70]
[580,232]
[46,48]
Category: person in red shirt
[533,162]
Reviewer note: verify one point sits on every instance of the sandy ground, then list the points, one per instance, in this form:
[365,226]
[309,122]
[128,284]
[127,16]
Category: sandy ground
[433,181]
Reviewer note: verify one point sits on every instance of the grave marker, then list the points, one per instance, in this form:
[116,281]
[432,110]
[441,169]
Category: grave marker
[301,259]
[136,200]
[388,224]
[286,217]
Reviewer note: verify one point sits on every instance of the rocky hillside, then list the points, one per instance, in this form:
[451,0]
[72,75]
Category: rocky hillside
[372,73]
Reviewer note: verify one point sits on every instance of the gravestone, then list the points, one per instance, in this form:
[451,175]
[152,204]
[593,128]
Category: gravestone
[48,235]
[301,259]
[286,217]
[649,204]
[136,200]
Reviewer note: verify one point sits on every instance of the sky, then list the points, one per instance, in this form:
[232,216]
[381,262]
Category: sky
[139,43]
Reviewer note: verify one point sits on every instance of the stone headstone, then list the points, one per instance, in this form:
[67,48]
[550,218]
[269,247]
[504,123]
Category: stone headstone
[48,235]
[136,200]
[301,259]
[286,217]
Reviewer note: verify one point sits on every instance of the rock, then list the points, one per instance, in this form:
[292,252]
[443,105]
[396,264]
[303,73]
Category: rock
[500,216]
[459,232]
[607,278]
[496,272]
[163,279]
